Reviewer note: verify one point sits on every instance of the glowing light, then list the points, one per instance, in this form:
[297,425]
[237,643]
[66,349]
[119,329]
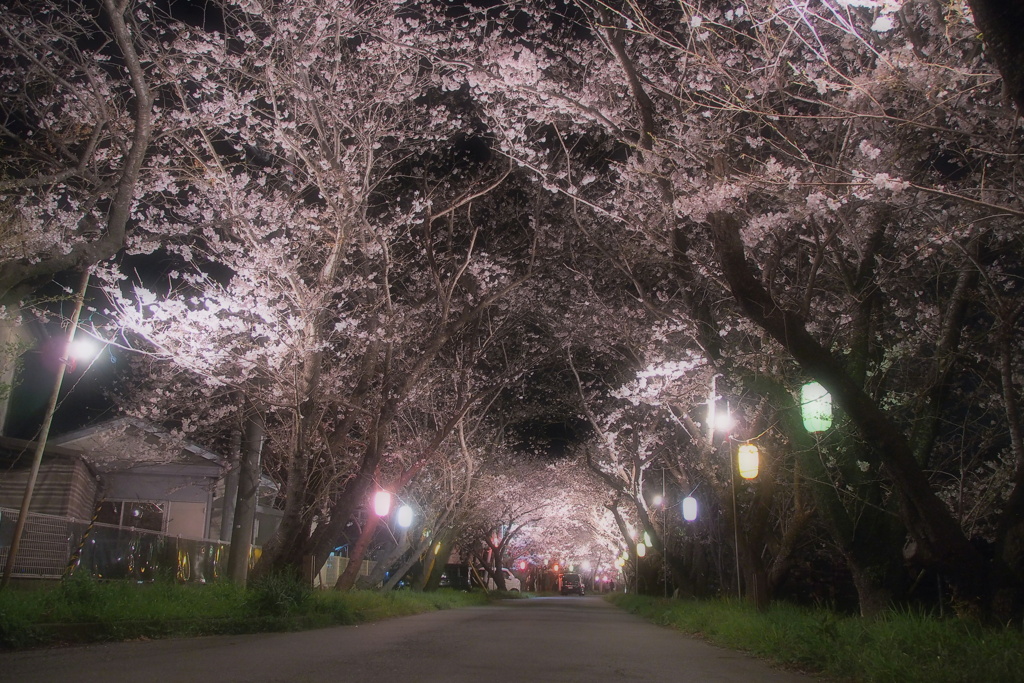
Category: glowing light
[689,508]
[381,503]
[522,565]
[747,460]
[83,348]
[641,549]
[722,422]
[815,407]
[404,516]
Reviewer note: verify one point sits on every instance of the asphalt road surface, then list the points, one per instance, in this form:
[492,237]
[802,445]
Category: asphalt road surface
[554,640]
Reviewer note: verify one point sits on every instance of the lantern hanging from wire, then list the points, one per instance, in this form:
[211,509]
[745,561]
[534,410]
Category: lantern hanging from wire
[815,407]
[747,458]
[405,516]
[381,503]
[689,508]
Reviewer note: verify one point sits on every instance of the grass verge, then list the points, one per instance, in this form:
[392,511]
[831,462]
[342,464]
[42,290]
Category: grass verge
[83,610]
[900,647]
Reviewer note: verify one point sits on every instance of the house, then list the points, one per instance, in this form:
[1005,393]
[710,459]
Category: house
[151,479]
[66,485]
[124,474]
[64,494]
[161,481]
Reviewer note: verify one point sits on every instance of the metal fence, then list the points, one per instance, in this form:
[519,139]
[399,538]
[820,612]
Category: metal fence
[53,547]
[333,568]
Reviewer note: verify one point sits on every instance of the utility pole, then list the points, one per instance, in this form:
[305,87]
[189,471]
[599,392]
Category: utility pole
[44,432]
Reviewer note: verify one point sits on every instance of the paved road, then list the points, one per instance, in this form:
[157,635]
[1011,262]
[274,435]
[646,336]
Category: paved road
[556,640]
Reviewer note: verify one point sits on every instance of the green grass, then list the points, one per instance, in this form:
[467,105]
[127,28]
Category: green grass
[84,610]
[901,647]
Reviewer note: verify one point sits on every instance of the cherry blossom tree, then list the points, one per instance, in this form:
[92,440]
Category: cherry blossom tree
[375,221]
[326,243]
[830,140]
[78,118]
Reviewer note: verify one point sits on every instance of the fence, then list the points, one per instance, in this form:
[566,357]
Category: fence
[333,568]
[53,546]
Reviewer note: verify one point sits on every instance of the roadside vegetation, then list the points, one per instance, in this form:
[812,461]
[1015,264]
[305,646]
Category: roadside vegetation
[899,646]
[84,610]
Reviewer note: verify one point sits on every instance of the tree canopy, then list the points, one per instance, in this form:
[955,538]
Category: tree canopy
[413,237]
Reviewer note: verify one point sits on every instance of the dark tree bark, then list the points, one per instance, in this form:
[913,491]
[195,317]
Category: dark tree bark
[243,519]
[1002,30]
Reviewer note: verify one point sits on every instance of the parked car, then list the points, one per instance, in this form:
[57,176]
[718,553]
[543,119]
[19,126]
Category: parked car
[511,582]
[572,583]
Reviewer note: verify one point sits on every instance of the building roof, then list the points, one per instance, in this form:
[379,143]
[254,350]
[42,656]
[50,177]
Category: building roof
[131,442]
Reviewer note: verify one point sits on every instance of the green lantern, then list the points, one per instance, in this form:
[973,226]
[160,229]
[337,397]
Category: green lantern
[816,407]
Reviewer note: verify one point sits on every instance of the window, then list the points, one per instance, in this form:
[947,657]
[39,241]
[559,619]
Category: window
[132,514]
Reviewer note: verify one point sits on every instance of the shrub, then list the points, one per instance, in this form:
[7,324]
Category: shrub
[277,595]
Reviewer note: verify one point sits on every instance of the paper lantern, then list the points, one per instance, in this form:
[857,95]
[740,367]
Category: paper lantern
[404,516]
[689,508]
[815,407]
[747,460]
[381,503]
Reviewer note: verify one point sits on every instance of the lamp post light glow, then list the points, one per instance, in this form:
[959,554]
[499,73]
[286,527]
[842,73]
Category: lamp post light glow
[641,549]
[815,407]
[405,516]
[381,503]
[83,349]
[747,460]
[689,508]
[722,422]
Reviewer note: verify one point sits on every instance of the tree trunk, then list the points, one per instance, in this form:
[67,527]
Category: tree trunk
[356,553]
[415,556]
[1008,600]
[244,518]
[227,513]
[437,558]
[1002,25]
[873,597]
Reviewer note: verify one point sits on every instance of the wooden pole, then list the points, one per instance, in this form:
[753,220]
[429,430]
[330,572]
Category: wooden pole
[44,431]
